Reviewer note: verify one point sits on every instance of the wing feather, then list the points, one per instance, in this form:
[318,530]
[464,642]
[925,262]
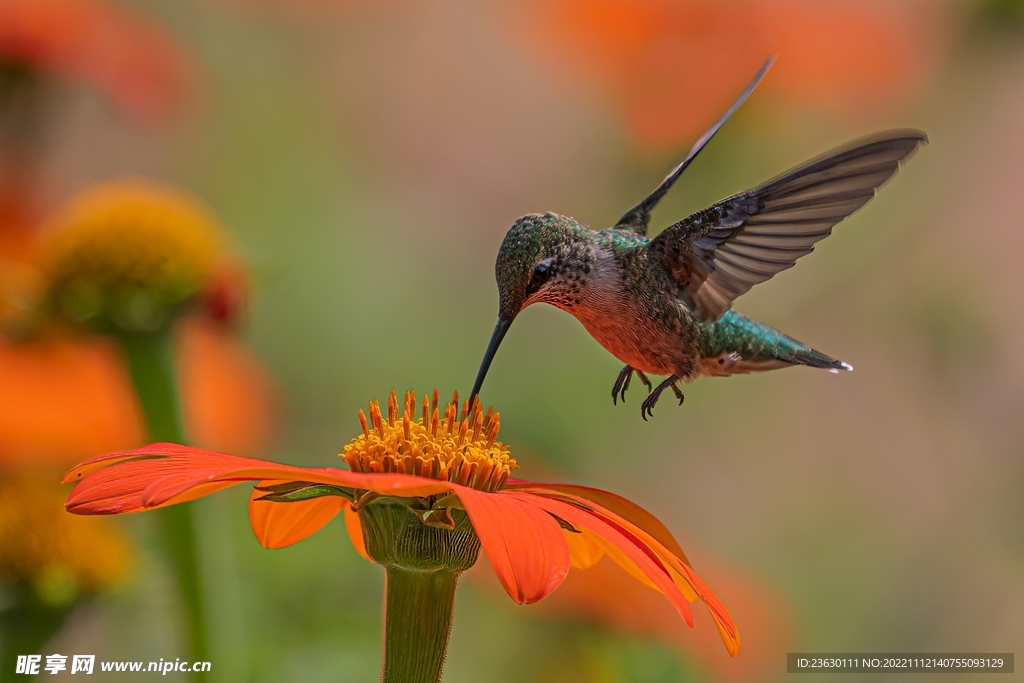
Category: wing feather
[637,218]
[718,254]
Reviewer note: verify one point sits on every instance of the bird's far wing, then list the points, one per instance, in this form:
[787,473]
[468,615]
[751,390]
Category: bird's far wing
[637,218]
[719,253]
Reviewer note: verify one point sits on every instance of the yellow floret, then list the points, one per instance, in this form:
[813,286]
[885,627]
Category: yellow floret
[129,253]
[59,555]
[445,447]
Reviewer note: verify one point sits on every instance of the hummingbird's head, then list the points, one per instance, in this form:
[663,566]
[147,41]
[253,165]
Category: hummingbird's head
[536,259]
[532,260]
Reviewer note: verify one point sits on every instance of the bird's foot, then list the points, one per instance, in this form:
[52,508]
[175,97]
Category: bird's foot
[647,408]
[622,383]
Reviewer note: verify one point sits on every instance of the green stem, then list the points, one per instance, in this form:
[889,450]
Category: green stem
[151,366]
[417,623]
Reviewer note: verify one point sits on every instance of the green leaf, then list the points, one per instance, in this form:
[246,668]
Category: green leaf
[295,491]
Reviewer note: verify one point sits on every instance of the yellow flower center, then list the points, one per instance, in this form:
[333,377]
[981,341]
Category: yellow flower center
[446,447]
[129,252]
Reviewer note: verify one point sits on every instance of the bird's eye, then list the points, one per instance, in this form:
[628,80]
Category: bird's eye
[540,276]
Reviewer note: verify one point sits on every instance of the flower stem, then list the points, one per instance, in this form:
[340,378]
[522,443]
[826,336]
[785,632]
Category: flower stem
[417,623]
[151,366]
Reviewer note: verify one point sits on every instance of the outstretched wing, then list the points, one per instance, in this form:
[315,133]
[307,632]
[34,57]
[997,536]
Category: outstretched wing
[721,252]
[637,218]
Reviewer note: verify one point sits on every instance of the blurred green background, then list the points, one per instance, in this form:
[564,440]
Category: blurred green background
[368,157]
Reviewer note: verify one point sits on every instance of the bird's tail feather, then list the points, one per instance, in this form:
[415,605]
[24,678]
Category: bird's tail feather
[735,344]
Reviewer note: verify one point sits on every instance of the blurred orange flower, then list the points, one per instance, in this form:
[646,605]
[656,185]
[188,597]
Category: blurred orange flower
[63,397]
[602,597]
[68,397]
[119,50]
[671,67]
[319,10]
[228,395]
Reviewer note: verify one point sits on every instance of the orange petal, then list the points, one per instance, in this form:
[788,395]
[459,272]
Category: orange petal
[683,576]
[63,399]
[524,544]
[203,490]
[642,557]
[638,521]
[166,473]
[114,483]
[355,531]
[279,525]
[629,566]
[176,489]
[623,507]
[723,619]
[685,579]
[691,585]
[584,550]
[228,397]
[87,467]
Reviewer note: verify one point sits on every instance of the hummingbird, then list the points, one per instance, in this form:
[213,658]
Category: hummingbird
[663,305]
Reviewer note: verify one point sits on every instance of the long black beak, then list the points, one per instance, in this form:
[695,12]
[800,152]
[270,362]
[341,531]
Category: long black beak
[499,333]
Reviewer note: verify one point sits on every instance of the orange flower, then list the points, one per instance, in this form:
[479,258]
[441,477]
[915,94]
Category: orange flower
[600,596]
[228,397]
[320,10]
[439,466]
[671,67]
[66,398]
[117,49]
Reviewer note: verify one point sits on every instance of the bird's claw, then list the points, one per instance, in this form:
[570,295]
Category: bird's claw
[647,407]
[622,383]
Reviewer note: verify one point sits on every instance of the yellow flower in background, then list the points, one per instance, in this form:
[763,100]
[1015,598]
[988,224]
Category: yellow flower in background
[128,259]
[49,564]
[124,256]
[130,254]
[59,556]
